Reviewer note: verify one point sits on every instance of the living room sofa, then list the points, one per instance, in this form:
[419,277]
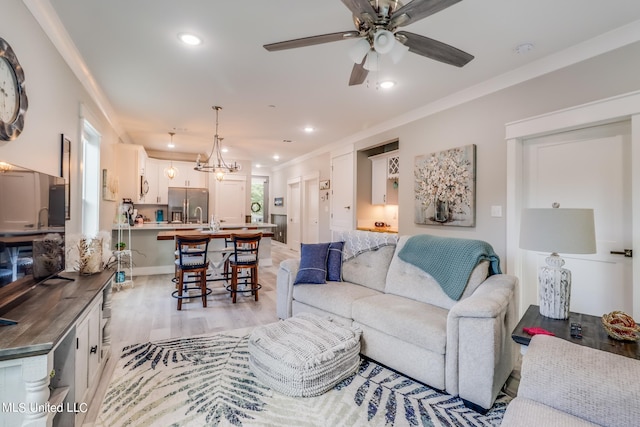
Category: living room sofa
[566,384]
[408,322]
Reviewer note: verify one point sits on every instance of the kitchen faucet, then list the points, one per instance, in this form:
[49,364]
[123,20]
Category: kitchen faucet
[198,208]
[41,224]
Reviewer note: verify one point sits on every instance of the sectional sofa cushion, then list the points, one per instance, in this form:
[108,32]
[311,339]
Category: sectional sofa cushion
[313,263]
[369,268]
[332,297]
[407,280]
[404,318]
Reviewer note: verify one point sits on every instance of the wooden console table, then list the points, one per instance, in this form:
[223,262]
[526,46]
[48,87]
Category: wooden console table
[593,333]
[51,360]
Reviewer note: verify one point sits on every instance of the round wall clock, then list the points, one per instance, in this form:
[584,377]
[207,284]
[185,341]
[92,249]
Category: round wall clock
[13,97]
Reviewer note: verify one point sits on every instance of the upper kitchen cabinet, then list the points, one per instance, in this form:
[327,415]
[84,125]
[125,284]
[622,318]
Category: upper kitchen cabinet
[132,162]
[158,182]
[188,176]
[385,169]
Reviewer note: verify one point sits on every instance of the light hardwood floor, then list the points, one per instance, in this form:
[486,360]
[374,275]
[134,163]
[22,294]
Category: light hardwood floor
[147,312]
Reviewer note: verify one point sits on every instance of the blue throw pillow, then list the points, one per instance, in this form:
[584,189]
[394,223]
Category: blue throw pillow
[313,263]
[334,262]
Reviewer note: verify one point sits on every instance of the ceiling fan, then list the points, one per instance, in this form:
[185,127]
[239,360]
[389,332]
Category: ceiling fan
[376,24]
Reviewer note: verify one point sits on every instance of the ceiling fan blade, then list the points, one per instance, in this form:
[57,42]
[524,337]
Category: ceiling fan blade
[362,9]
[418,9]
[434,49]
[358,74]
[310,41]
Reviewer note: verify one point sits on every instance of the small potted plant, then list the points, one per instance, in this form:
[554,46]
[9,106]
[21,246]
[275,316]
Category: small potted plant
[121,246]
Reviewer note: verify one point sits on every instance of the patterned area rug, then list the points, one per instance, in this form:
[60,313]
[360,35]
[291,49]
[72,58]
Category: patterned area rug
[206,380]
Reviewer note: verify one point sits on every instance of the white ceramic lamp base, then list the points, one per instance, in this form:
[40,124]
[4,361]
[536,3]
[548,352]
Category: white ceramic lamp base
[554,284]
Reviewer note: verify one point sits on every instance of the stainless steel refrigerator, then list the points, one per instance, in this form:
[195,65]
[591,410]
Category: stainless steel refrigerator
[184,203]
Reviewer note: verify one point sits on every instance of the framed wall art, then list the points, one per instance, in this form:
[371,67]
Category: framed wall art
[109,186]
[445,187]
[65,172]
[325,185]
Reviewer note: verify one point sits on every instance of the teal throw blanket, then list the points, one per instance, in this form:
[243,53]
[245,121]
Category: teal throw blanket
[449,260]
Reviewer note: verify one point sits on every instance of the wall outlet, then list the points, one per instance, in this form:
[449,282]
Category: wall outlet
[496,211]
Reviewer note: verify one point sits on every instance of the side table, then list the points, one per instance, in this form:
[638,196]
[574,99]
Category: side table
[593,333]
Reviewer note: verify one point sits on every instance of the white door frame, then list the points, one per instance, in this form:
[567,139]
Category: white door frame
[315,176]
[290,182]
[618,108]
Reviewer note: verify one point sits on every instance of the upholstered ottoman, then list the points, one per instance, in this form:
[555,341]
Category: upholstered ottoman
[304,355]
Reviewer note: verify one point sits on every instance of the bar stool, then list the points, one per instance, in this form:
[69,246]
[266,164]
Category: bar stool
[244,257]
[192,259]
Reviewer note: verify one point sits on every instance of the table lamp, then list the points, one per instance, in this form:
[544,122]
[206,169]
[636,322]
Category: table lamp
[555,230]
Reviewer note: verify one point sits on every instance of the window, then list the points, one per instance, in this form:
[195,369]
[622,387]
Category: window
[90,180]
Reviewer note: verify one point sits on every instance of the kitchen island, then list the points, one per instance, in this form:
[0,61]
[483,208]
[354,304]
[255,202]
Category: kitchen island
[153,255]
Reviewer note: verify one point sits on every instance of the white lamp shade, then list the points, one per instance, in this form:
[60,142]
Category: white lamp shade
[398,52]
[371,63]
[359,50]
[383,41]
[569,231]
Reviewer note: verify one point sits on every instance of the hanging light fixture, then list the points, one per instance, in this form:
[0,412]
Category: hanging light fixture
[171,172]
[216,164]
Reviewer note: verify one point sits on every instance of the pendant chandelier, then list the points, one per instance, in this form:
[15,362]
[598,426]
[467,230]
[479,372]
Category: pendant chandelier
[171,172]
[215,163]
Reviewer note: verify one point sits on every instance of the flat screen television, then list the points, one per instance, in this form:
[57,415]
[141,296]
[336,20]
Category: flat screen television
[32,230]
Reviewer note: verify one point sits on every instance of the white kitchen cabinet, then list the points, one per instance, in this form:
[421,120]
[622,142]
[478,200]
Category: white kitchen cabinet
[132,161]
[385,169]
[158,182]
[188,176]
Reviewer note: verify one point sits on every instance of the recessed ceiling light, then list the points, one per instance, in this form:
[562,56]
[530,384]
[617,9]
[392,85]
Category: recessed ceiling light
[387,84]
[276,157]
[190,39]
[225,150]
[258,165]
[309,129]
[171,145]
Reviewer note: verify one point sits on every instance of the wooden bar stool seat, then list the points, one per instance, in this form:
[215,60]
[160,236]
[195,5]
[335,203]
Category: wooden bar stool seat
[244,257]
[192,259]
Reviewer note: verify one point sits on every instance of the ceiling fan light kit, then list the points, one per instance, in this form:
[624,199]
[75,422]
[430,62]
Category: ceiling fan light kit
[359,50]
[376,23]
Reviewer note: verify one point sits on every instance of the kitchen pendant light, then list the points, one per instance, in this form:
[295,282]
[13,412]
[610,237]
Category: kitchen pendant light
[171,172]
[216,165]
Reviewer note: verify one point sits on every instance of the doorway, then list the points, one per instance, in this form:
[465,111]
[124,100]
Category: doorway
[587,168]
[612,110]
[294,198]
[259,199]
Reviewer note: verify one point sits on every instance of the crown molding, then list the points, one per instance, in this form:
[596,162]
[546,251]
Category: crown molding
[50,23]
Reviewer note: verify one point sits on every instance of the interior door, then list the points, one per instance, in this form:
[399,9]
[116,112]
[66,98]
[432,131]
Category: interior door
[231,200]
[588,168]
[342,194]
[294,213]
[311,210]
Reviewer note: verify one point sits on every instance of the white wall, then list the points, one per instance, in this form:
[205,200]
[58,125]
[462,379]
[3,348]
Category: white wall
[55,96]
[278,188]
[482,122]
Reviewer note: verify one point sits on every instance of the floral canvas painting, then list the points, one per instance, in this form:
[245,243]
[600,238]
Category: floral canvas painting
[445,187]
